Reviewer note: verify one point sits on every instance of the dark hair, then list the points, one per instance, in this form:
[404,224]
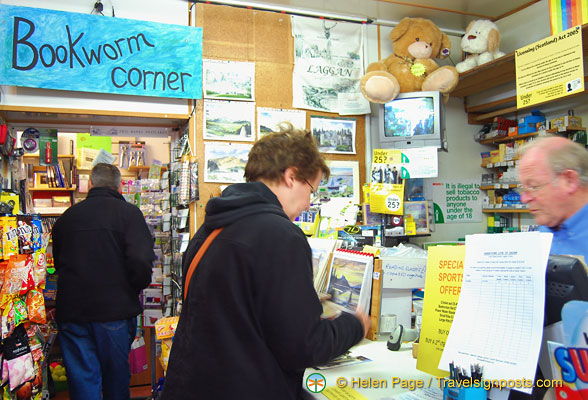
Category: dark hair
[274,153]
[105,175]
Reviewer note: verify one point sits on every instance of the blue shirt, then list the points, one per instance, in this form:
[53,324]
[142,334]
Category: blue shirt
[572,236]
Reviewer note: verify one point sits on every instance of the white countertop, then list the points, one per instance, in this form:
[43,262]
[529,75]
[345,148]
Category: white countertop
[389,367]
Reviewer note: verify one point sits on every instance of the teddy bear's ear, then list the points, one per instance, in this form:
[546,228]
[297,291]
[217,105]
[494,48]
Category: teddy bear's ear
[493,40]
[445,48]
[400,29]
[469,28]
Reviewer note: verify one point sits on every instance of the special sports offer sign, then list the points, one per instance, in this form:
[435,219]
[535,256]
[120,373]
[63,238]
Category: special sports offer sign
[91,53]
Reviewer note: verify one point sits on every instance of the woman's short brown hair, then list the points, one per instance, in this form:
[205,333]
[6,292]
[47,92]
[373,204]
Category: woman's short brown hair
[274,153]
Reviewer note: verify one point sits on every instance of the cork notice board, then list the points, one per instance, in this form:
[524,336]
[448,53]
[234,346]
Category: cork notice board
[265,38]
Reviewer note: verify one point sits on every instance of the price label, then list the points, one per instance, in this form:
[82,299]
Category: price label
[393,203]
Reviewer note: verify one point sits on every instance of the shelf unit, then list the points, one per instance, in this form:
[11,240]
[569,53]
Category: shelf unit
[513,218]
[494,74]
[31,162]
[505,210]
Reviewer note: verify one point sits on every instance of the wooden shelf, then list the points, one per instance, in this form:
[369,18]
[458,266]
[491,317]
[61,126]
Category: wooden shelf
[502,186]
[496,73]
[506,139]
[505,210]
[76,119]
[567,129]
[71,189]
[50,211]
[144,168]
[35,156]
[510,163]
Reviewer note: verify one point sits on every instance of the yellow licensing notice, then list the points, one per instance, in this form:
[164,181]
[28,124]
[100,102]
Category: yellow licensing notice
[550,68]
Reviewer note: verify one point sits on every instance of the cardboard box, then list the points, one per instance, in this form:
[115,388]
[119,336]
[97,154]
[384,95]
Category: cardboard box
[567,121]
[529,123]
[485,158]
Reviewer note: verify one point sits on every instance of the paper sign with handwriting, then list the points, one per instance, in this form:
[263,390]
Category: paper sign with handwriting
[403,273]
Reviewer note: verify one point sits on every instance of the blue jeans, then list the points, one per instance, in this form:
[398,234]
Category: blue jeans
[96,356]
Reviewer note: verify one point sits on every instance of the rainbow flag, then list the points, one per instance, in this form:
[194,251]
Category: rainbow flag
[565,14]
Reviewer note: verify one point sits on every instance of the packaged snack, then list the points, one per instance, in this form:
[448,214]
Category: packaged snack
[9,237]
[7,320]
[40,269]
[16,277]
[20,311]
[3,265]
[37,230]
[17,353]
[25,233]
[36,306]
[4,371]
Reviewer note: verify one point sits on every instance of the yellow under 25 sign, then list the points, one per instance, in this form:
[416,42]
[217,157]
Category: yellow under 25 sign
[387,198]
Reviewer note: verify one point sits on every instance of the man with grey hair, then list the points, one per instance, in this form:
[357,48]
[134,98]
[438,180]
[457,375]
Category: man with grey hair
[103,253]
[553,172]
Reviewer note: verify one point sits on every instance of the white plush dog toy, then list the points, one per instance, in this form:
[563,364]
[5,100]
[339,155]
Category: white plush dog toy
[481,41]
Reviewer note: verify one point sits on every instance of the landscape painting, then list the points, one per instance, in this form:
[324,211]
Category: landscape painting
[229,120]
[229,80]
[333,135]
[346,280]
[225,162]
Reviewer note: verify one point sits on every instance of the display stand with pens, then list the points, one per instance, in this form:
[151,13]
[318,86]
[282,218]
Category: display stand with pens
[464,385]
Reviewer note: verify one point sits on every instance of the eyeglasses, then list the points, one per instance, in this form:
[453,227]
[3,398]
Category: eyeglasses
[313,192]
[534,189]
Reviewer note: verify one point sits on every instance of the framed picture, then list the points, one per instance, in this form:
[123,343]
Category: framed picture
[419,212]
[40,180]
[343,181]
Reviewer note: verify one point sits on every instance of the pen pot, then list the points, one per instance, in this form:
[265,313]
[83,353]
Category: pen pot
[463,393]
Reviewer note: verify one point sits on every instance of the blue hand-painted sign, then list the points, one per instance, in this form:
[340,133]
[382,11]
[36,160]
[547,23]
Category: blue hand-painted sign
[71,51]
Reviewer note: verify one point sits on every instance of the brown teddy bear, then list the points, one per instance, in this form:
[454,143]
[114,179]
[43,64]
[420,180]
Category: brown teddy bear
[411,68]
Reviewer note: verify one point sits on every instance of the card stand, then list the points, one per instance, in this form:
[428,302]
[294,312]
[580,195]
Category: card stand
[464,393]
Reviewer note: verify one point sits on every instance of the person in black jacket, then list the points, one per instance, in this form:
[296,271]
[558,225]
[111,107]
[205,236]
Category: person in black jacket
[103,252]
[251,322]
